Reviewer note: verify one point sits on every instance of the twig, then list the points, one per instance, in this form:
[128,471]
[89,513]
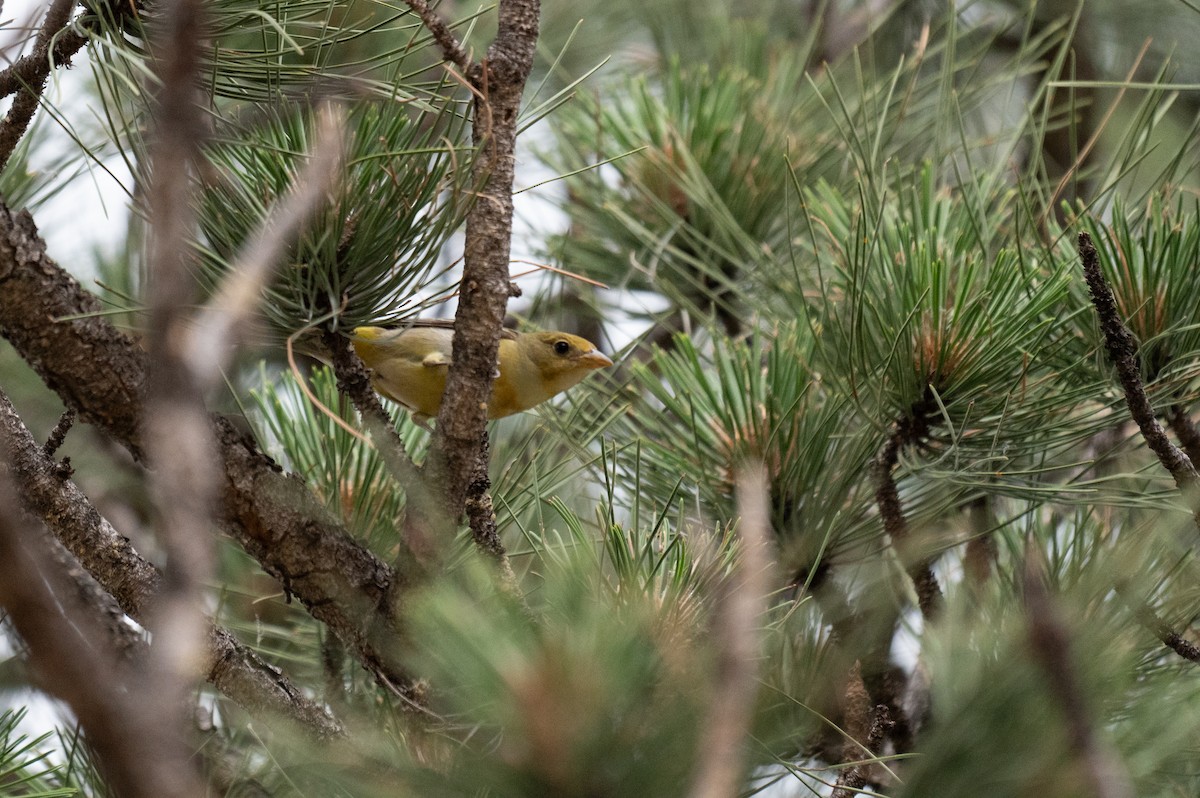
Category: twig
[1122,351]
[891,511]
[424,528]
[55,440]
[217,328]
[354,383]
[452,49]
[736,636]
[1169,637]
[1049,640]
[26,102]
[1180,422]
[33,68]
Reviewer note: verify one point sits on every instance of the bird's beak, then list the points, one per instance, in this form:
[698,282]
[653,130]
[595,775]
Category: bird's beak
[595,359]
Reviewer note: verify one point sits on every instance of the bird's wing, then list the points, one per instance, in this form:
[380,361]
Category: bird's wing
[435,359]
[428,345]
[448,324]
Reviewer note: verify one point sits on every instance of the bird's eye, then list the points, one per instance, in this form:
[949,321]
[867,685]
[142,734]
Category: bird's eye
[561,347]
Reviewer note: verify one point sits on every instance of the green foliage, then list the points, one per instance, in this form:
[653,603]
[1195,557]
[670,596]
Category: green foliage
[760,399]
[1000,727]
[695,203]
[346,471]
[837,253]
[377,244]
[962,327]
[1149,256]
[32,768]
[599,691]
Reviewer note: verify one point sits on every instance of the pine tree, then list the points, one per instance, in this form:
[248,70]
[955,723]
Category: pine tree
[891,491]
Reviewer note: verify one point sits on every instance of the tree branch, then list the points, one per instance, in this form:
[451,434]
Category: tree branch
[887,497]
[100,372]
[737,632]
[1049,640]
[183,479]
[452,49]
[485,286]
[74,663]
[1180,422]
[33,69]
[26,103]
[1168,636]
[1122,351]
[419,532]
[132,582]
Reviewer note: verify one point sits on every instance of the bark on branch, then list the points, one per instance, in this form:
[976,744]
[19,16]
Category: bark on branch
[74,662]
[130,581]
[33,78]
[1123,352]
[100,372]
[920,567]
[498,83]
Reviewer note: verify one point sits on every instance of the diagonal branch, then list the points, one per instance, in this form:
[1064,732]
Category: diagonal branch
[132,582]
[1122,351]
[74,662]
[35,67]
[452,49]
[26,103]
[100,372]
[1151,620]
[353,381]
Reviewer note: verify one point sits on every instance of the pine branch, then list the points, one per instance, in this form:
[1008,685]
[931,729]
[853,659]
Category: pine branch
[1049,639]
[887,497]
[100,372]
[422,524]
[132,582]
[74,662]
[1123,352]
[33,80]
[33,69]
[1180,422]
[486,287]
[183,478]
[1169,637]
[57,435]
[736,630]
[452,49]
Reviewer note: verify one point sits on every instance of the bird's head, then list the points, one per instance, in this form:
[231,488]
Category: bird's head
[562,357]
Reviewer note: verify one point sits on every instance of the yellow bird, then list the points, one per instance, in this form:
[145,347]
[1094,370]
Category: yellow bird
[409,366]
